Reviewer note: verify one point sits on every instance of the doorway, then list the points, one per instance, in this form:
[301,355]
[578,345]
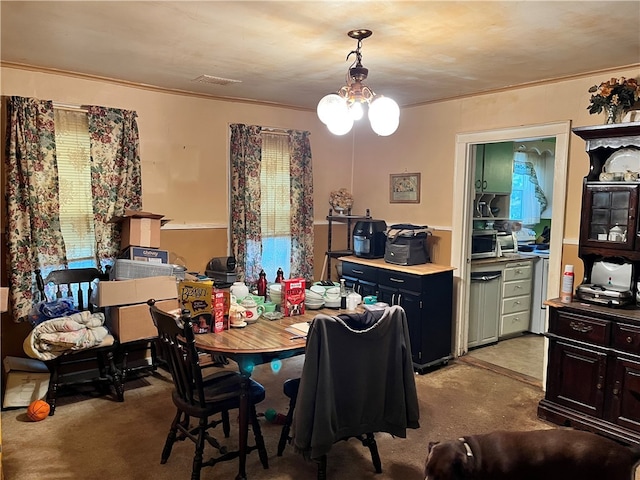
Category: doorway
[462,222]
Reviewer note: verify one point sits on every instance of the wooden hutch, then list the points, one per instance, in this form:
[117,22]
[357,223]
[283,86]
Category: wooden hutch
[593,373]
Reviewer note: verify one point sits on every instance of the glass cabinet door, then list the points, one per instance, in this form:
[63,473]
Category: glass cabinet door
[609,216]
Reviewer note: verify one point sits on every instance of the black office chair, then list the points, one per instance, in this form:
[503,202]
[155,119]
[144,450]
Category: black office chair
[201,398]
[357,380]
[64,369]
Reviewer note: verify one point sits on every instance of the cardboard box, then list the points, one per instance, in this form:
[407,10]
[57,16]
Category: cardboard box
[140,229]
[139,290]
[153,255]
[293,291]
[133,322]
[4,299]
[196,296]
[27,380]
[218,310]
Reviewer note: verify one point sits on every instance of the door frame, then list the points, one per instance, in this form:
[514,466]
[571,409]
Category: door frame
[464,176]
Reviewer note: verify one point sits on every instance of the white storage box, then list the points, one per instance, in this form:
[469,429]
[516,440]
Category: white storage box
[131,269]
[27,380]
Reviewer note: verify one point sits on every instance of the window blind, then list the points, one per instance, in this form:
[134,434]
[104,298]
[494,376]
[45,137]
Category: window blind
[74,174]
[275,181]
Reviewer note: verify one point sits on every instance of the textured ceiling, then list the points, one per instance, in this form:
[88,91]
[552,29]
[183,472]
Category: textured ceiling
[293,53]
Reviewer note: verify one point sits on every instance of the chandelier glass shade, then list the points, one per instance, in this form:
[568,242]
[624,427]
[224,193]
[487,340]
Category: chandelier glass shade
[338,111]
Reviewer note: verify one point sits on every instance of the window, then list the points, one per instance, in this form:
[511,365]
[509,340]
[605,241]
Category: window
[74,177]
[275,204]
[527,198]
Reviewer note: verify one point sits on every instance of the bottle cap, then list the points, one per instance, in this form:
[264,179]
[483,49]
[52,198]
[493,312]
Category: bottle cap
[568,268]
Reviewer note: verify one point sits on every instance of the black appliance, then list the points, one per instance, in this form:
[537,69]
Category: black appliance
[369,238]
[222,270]
[407,244]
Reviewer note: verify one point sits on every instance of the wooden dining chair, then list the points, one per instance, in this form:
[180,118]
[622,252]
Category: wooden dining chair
[202,398]
[357,380]
[71,368]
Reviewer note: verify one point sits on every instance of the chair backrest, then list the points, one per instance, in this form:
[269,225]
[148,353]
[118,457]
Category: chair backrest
[74,283]
[355,376]
[177,344]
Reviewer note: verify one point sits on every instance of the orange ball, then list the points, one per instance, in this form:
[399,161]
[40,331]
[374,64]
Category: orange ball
[38,410]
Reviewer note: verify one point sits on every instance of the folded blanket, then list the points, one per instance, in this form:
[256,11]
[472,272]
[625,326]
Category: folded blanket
[57,336]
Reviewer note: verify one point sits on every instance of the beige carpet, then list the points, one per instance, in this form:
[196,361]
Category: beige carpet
[97,438]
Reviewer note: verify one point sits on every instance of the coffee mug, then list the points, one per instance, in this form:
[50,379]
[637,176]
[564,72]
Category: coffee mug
[631,176]
[269,306]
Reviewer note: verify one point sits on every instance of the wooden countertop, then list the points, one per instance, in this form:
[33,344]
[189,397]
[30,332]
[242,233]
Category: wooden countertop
[422,269]
[514,257]
[629,312]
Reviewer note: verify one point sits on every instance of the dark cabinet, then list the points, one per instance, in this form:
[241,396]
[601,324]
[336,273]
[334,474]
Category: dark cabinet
[593,372]
[425,292]
[609,224]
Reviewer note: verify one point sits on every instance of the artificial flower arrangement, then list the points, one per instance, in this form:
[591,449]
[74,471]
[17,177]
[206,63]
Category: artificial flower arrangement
[341,199]
[621,92]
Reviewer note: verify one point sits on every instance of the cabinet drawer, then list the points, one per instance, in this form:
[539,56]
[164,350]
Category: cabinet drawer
[574,326]
[517,272]
[404,281]
[517,288]
[626,338]
[516,304]
[515,323]
[360,272]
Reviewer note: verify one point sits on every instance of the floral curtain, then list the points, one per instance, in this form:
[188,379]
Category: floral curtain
[301,205]
[116,180]
[33,222]
[246,240]
[34,236]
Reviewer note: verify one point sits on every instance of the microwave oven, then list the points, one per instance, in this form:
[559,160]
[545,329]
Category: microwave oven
[484,244]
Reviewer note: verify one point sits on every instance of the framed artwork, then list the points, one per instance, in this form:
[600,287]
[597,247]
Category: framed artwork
[404,188]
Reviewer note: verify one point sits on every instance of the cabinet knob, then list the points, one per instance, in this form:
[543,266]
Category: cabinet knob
[629,340]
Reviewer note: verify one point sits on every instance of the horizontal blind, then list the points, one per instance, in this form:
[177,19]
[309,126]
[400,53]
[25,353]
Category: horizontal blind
[275,186]
[74,173]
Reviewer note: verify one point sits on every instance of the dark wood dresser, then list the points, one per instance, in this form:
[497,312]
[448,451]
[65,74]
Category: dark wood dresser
[593,371]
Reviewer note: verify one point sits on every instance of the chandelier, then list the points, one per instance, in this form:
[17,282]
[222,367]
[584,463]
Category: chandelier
[339,110]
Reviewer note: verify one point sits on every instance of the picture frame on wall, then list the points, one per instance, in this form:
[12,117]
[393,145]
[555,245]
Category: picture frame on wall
[404,188]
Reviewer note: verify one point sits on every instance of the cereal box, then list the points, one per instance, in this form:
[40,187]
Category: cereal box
[293,296]
[197,298]
[218,310]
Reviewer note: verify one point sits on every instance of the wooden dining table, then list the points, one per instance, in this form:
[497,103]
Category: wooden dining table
[257,343]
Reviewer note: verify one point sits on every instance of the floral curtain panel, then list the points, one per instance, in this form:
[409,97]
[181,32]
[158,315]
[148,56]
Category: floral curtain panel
[116,179]
[34,236]
[33,223]
[301,205]
[246,238]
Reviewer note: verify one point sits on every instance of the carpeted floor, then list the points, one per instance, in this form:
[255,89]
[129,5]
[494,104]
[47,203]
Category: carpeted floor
[97,438]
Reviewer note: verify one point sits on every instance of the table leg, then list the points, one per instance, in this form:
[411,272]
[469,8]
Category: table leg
[243,420]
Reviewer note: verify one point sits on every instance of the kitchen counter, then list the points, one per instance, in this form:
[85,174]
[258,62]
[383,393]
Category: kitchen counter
[422,269]
[509,257]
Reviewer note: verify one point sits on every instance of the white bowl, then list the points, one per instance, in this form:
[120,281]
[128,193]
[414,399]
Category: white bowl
[313,306]
[320,290]
[275,287]
[332,303]
[311,295]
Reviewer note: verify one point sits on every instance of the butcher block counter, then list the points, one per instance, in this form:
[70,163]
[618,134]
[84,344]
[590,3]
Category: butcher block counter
[424,291]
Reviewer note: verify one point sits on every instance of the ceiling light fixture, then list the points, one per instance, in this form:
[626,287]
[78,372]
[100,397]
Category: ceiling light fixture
[339,110]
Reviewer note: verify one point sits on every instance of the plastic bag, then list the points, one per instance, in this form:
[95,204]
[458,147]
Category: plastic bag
[60,307]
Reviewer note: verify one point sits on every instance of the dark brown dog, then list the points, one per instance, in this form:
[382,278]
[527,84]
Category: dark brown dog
[558,454]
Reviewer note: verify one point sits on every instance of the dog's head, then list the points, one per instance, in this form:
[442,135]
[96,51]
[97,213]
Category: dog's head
[446,461]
